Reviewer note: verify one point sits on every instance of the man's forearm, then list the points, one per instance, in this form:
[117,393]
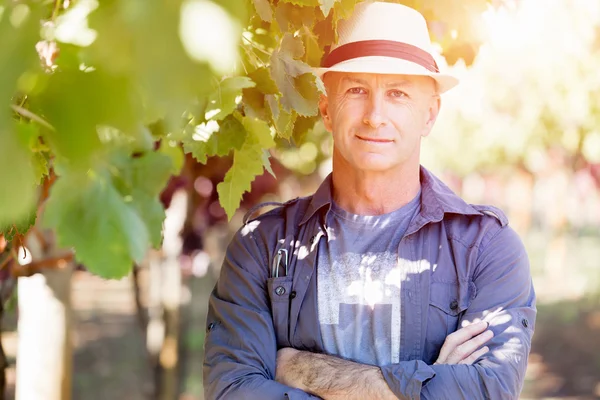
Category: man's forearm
[334,378]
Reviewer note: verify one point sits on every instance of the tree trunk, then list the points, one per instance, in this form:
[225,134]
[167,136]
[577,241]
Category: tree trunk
[44,353]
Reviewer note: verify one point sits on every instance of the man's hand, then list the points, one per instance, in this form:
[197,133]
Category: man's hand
[461,346]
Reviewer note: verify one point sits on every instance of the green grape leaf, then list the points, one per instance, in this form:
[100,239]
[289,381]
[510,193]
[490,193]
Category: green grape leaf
[29,137]
[40,167]
[152,213]
[150,172]
[264,82]
[77,102]
[17,174]
[142,139]
[326,6]
[314,51]
[257,130]
[283,121]
[222,101]
[140,180]
[264,10]
[19,30]
[290,18]
[150,175]
[175,153]
[253,101]
[266,159]
[301,128]
[28,134]
[342,9]
[151,43]
[21,226]
[324,31]
[303,3]
[308,87]
[207,141]
[299,93]
[90,215]
[248,162]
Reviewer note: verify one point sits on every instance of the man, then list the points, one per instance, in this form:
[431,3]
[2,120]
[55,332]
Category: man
[384,284]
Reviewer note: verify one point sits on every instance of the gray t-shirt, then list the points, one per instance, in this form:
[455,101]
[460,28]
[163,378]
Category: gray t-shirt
[358,284]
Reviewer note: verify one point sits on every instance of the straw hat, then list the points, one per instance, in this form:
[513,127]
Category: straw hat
[385,38]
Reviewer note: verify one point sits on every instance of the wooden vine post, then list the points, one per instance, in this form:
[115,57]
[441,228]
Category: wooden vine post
[44,353]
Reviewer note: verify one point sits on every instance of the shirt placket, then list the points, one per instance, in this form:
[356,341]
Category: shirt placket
[303,273]
[413,284]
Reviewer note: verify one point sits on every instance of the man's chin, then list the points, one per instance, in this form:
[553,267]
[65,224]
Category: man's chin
[375,164]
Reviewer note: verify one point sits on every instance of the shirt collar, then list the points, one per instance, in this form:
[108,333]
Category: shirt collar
[437,199]
[320,199]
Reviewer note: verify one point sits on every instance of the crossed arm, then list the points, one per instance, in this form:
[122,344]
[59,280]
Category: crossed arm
[241,352]
[333,378]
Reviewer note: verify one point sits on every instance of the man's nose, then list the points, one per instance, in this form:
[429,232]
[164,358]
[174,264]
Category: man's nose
[374,115]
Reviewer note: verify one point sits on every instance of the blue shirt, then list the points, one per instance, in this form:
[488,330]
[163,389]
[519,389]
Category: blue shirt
[463,262]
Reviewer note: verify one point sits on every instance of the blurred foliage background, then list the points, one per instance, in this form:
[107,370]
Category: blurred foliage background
[111,111]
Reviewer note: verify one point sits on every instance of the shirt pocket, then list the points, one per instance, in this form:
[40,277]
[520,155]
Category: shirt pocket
[447,302]
[281,295]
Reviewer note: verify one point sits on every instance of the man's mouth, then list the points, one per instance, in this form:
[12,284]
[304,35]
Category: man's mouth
[374,139]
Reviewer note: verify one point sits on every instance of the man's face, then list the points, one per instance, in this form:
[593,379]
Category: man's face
[377,120]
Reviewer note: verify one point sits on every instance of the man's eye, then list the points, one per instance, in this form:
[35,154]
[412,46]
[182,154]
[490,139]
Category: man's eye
[398,93]
[357,90]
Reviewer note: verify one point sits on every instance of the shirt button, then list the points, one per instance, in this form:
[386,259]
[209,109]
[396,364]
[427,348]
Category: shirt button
[525,322]
[280,291]
[454,305]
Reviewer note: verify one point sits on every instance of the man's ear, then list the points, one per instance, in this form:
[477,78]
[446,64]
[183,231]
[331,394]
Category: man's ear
[324,109]
[432,114]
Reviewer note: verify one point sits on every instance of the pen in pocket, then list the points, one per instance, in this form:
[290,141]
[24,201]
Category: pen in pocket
[280,258]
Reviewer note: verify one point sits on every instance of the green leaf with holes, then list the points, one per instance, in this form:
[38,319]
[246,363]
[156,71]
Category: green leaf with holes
[248,163]
[294,78]
[206,141]
[223,100]
[86,206]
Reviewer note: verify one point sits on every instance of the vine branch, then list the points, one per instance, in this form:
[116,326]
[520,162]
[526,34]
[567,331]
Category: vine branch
[57,5]
[32,116]
[4,262]
[251,43]
[37,266]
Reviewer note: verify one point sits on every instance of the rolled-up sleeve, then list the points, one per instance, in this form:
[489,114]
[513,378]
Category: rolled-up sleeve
[506,299]
[406,379]
[240,345]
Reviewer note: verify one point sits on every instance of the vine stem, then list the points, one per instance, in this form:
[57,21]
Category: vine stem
[257,60]
[6,261]
[251,43]
[32,116]
[57,5]
[37,266]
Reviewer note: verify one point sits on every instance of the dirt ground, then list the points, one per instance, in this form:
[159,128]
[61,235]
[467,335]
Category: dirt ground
[110,361]
[565,358]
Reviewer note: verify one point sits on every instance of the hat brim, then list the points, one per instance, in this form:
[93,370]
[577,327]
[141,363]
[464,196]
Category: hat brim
[389,65]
